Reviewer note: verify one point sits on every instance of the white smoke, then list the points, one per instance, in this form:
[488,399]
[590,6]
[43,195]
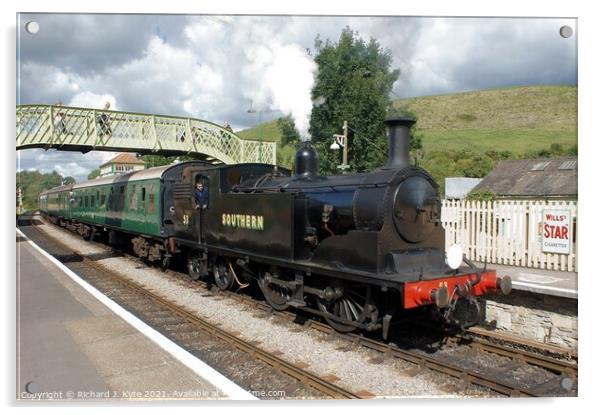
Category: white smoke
[283,76]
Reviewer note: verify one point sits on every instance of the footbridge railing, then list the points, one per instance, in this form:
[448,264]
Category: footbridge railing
[85,129]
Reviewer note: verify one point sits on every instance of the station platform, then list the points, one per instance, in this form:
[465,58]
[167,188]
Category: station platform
[72,345]
[548,282]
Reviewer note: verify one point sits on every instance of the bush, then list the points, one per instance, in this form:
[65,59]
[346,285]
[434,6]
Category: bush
[484,195]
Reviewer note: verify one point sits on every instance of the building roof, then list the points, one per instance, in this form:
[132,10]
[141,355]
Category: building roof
[153,173]
[533,178]
[124,158]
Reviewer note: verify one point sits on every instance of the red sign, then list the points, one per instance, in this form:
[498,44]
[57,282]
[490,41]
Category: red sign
[556,235]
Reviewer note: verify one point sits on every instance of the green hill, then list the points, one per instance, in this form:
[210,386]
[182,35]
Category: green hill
[269,131]
[517,119]
[520,120]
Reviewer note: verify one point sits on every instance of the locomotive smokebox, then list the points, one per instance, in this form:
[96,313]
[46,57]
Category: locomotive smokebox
[306,161]
[398,132]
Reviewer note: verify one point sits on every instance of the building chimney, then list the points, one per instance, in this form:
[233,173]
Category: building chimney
[398,132]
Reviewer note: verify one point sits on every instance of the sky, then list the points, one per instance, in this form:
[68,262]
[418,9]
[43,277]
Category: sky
[217,67]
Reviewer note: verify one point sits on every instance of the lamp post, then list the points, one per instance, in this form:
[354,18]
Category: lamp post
[341,141]
[252,110]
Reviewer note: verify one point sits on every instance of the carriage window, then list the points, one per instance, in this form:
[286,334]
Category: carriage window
[80,201]
[92,201]
[151,203]
[86,204]
[133,198]
[143,194]
[102,200]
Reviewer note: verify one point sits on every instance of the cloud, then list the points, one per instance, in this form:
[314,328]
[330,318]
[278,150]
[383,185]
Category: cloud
[66,163]
[87,99]
[213,67]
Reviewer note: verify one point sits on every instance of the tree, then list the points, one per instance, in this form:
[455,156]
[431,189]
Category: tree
[288,132]
[32,183]
[354,83]
[156,161]
[94,174]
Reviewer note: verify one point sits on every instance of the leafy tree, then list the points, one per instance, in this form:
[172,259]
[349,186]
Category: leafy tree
[156,160]
[288,132]
[32,183]
[94,174]
[354,82]
[485,195]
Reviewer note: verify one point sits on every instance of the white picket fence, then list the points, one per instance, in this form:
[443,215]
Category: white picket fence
[507,232]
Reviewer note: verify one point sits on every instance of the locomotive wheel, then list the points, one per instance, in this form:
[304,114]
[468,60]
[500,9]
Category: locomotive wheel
[276,295]
[353,306]
[223,277]
[195,264]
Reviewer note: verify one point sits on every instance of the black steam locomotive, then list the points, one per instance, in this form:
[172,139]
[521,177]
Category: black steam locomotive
[356,249]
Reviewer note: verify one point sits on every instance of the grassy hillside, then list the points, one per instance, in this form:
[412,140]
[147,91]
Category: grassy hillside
[267,131]
[518,119]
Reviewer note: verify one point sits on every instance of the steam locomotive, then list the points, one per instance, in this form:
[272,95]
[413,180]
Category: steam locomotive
[357,249]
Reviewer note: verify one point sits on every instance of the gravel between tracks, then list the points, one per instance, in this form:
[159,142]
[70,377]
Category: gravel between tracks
[325,355]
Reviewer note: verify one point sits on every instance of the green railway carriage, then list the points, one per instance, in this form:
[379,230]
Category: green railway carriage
[129,202]
[56,201]
[129,208]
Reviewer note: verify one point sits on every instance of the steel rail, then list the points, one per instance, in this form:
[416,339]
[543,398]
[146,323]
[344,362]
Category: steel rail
[304,376]
[466,375]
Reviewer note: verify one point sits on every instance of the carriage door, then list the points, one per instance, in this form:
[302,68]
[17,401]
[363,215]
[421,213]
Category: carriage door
[184,214]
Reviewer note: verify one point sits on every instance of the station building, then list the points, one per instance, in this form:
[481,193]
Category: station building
[536,179]
[122,163]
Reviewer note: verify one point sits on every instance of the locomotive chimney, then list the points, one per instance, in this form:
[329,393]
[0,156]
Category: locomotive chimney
[398,132]
[306,160]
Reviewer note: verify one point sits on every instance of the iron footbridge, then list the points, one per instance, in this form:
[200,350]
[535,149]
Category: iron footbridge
[84,129]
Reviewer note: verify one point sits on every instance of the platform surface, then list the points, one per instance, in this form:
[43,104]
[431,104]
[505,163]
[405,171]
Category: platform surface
[70,346]
[555,283]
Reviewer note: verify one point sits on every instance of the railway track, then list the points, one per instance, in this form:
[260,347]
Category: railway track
[187,329]
[565,370]
[527,354]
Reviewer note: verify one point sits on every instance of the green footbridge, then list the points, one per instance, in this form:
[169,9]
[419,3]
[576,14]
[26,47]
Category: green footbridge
[84,129]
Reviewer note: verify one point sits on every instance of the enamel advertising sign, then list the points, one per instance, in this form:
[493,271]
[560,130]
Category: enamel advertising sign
[556,235]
